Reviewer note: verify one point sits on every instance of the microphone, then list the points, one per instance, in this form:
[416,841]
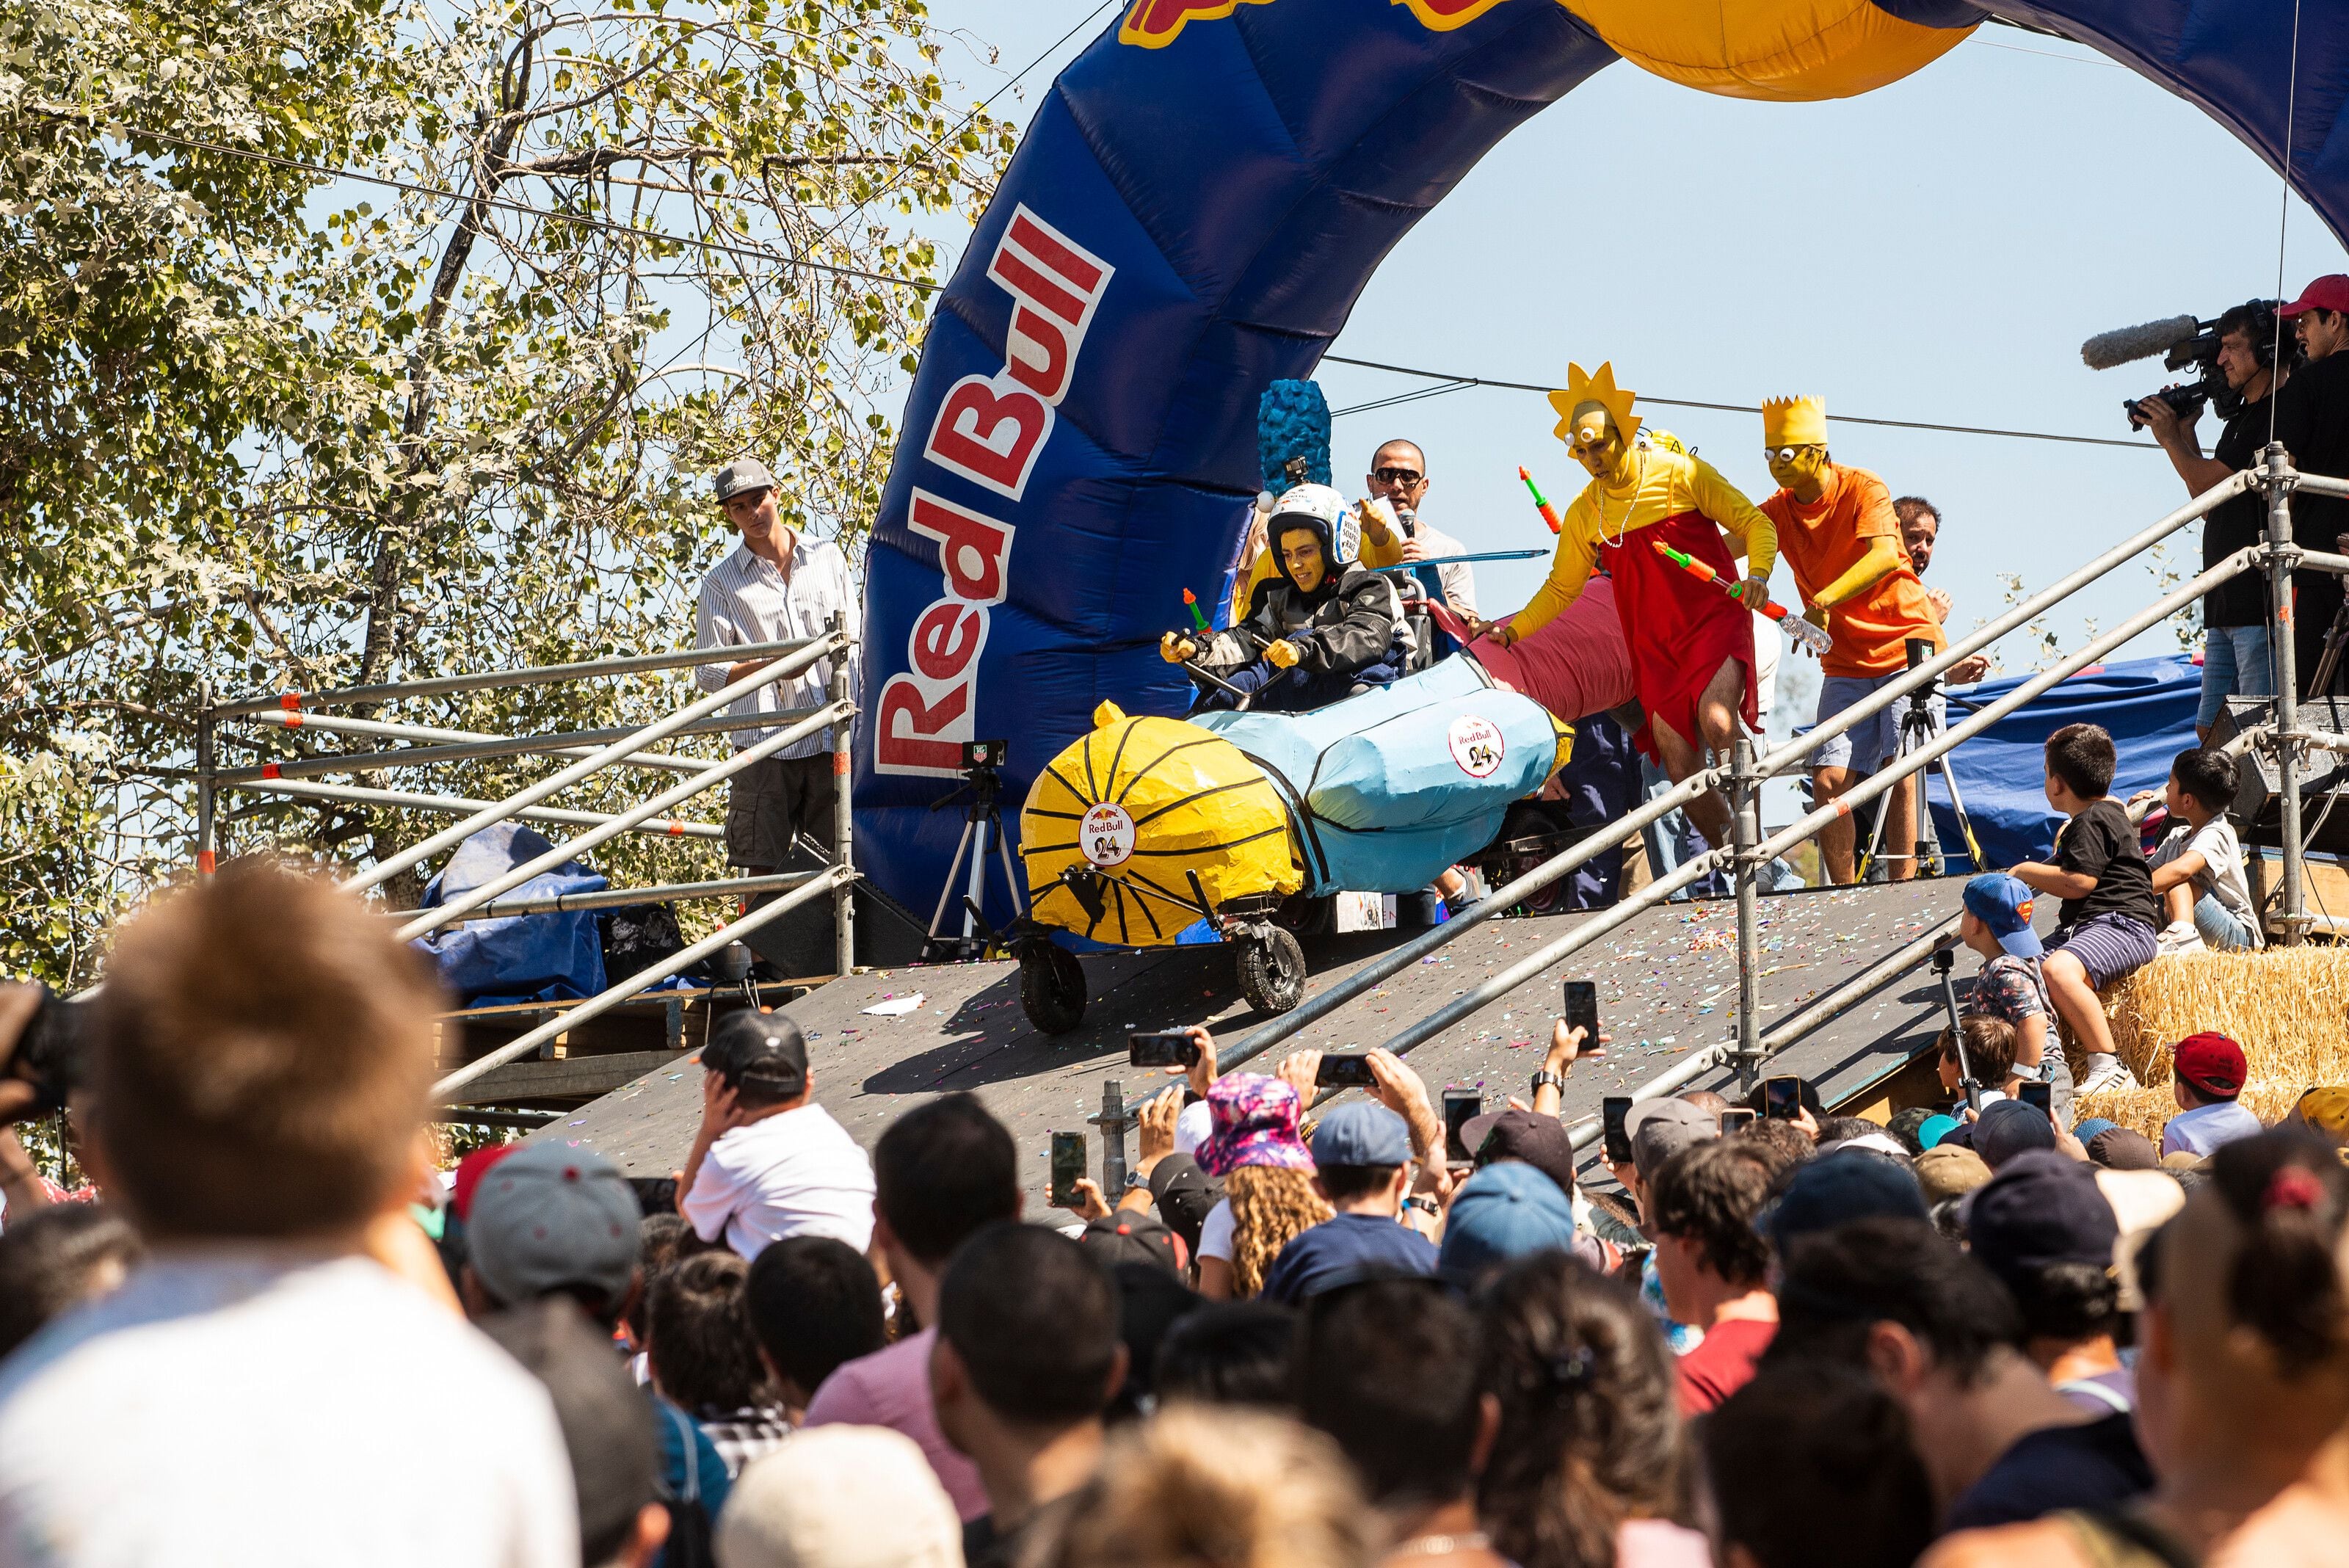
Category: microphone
[2124,343]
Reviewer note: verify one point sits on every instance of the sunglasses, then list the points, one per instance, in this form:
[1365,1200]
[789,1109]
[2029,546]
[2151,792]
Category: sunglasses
[1395,476]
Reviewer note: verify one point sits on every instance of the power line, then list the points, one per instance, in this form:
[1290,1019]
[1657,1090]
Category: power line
[1457,383]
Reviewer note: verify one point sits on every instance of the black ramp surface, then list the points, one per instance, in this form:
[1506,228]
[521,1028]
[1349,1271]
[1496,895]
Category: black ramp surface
[1667,984]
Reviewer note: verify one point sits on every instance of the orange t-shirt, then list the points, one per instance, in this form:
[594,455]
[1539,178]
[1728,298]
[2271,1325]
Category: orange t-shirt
[1823,541]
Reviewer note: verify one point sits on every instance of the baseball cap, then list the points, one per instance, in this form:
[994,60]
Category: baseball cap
[1948,1172]
[606,1420]
[551,1217]
[470,1171]
[2121,1149]
[1184,1195]
[2325,1110]
[1540,1141]
[1838,1188]
[1932,1130]
[1361,1133]
[2007,1128]
[743,473]
[836,1496]
[1661,1128]
[2004,904]
[1504,1212]
[1132,1236]
[765,1051]
[2330,292]
[2040,1210]
[2210,1063]
[2088,1128]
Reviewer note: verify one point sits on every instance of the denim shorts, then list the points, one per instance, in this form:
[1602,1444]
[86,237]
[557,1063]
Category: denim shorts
[2234,663]
[1870,744]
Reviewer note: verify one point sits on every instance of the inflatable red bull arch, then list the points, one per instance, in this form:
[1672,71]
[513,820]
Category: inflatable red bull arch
[1194,208]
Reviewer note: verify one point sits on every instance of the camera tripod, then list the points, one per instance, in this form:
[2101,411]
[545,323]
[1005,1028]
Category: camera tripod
[1917,731]
[982,788]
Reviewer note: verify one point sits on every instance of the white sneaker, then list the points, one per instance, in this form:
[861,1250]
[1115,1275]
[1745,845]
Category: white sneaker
[2178,937]
[2105,1073]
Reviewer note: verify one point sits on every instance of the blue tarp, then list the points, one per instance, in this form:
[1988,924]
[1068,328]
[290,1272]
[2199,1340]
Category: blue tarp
[521,958]
[2147,703]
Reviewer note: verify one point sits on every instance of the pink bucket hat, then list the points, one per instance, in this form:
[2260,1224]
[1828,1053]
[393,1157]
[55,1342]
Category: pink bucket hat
[1255,1122]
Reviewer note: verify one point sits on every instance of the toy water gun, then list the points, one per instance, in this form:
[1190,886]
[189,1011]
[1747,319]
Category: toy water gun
[1809,635]
[1192,600]
[1541,502]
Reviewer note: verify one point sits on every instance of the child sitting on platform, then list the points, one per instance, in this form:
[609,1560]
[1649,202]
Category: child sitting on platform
[2010,988]
[2106,924]
[2197,871]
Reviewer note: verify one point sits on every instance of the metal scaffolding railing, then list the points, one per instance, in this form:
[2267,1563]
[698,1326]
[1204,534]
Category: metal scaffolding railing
[1743,774]
[590,752]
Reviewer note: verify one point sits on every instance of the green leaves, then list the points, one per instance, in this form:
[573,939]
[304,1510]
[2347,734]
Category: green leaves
[261,426]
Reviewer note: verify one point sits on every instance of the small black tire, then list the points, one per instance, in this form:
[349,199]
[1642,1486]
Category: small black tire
[1272,973]
[1051,988]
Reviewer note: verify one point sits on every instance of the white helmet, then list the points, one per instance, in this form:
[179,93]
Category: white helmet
[1326,512]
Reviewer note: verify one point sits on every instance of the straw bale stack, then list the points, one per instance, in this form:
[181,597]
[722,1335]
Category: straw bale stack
[2288,1007]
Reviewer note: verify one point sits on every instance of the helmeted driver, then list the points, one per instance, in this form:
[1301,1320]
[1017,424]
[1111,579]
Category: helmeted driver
[1321,631]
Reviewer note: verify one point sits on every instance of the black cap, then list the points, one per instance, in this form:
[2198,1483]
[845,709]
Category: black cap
[1837,1188]
[1130,1236]
[2041,1208]
[1185,1194]
[1540,1141]
[764,1050]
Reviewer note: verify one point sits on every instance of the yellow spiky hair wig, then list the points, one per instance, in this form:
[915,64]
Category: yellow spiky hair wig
[1794,421]
[1582,387]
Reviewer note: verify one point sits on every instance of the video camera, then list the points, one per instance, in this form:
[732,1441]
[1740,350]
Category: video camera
[2184,344]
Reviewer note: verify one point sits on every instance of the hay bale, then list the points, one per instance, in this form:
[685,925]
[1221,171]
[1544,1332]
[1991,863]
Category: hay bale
[2288,1007]
[2148,1110]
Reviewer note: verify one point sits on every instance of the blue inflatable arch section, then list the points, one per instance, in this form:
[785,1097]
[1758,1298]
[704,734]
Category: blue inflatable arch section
[1192,215]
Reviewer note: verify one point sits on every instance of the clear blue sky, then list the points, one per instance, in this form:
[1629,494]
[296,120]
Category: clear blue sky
[1935,249]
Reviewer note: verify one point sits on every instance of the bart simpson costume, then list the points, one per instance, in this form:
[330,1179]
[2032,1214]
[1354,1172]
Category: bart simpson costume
[1680,630]
[1843,543]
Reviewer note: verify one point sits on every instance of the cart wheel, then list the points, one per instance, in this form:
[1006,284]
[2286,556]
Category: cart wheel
[1051,988]
[1272,973]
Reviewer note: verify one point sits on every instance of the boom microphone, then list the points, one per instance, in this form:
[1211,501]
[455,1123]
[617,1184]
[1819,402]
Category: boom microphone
[2124,343]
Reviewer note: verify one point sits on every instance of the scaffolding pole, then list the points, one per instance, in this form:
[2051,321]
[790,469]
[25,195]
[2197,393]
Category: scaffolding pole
[449,838]
[491,680]
[407,800]
[602,1002]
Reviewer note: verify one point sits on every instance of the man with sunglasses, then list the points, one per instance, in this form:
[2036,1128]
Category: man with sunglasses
[777,585]
[1838,530]
[1399,475]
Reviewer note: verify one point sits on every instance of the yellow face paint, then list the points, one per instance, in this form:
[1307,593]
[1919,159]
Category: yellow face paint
[1596,445]
[1795,467]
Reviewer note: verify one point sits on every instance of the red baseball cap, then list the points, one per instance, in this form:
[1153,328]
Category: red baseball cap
[2330,292]
[470,1171]
[2211,1063]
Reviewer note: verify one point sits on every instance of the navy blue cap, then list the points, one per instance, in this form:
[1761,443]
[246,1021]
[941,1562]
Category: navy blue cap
[2040,1210]
[2009,1128]
[1850,1184]
[2004,904]
[1361,1133]
[1505,1211]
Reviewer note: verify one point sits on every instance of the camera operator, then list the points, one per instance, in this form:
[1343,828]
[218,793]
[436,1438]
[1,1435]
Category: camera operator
[2234,614]
[2313,423]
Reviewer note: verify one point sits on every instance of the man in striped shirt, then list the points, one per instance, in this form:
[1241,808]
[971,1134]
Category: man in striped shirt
[777,585]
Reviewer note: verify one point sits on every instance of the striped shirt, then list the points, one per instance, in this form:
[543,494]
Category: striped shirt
[745,600]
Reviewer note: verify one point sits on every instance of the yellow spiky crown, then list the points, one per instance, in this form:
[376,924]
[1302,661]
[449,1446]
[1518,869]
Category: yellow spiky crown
[1794,421]
[1583,387]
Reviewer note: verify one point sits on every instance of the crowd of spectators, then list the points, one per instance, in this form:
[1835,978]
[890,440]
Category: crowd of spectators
[1976,1334]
